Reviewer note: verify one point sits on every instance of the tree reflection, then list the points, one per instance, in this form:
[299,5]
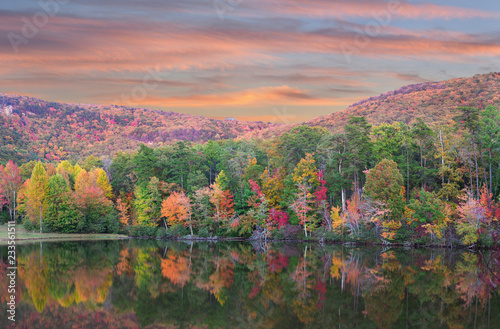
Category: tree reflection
[140,284]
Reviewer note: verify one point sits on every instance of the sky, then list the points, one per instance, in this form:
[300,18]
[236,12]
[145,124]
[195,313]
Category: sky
[263,60]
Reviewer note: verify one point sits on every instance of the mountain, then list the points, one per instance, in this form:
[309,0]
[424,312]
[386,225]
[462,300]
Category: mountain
[37,129]
[434,102]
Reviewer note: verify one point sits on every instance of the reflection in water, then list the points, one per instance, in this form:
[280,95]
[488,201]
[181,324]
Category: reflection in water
[153,284]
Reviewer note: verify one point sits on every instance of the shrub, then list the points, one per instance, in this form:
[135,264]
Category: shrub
[277,235]
[161,233]
[177,230]
[111,222]
[323,233]
[4,217]
[291,232]
[142,231]
[204,232]
[28,225]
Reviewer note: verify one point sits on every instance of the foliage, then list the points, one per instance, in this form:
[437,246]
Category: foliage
[307,177]
[384,183]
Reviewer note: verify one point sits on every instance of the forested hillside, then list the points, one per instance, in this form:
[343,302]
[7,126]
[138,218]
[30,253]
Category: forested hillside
[434,102]
[37,129]
[403,183]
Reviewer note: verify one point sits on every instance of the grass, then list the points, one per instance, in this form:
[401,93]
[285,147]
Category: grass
[23,235]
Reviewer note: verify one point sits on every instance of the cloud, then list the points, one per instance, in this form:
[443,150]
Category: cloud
[263,52]
[411,77]
[370,8]
[271,95]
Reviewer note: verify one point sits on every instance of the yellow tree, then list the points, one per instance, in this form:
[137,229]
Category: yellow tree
[82,181]
[306,172]
[306,178]
[66,169]
[273,185]
[36,193]
[216,196]
[102,181]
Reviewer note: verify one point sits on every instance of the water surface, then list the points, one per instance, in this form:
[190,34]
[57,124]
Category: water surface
[158,284]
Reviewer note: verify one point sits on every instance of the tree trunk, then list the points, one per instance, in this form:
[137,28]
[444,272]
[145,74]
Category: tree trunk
[305,215]
[422,164]
[342,190]
[40,219]
[496,178]
[491,178]
[477,170]
[407,175]
[14,210]
[442,153]
[485,177]
[471,181]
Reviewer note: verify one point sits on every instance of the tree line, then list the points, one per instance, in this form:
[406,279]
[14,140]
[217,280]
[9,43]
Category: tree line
[394,182]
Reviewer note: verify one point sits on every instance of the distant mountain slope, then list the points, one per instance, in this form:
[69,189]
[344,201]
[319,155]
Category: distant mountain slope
[32,128]
[435,102]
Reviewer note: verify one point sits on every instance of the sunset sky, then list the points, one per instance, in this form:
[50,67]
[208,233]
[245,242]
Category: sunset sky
[269,60]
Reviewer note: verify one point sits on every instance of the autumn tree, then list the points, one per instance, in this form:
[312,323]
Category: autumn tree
[473,216]
[226,206]
[218,196]
[173,209]
[36,194]
[273,184]
[301,205]
[123,208]
[98,212]
[305,176]
[384,183]
[103,182]
[10,183]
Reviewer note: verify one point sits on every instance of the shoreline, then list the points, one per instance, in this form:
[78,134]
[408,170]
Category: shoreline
[26,237]
[321,241]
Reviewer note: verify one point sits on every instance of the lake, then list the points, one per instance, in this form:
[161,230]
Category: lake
[159,284]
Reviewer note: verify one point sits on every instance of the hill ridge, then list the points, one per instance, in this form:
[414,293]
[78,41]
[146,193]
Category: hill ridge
[434,102]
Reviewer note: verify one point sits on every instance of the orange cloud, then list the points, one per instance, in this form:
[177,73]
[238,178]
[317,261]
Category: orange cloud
[281,95]
[83,46]
[99,59]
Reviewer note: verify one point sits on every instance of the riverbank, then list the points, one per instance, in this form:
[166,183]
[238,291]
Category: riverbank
[24,236]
